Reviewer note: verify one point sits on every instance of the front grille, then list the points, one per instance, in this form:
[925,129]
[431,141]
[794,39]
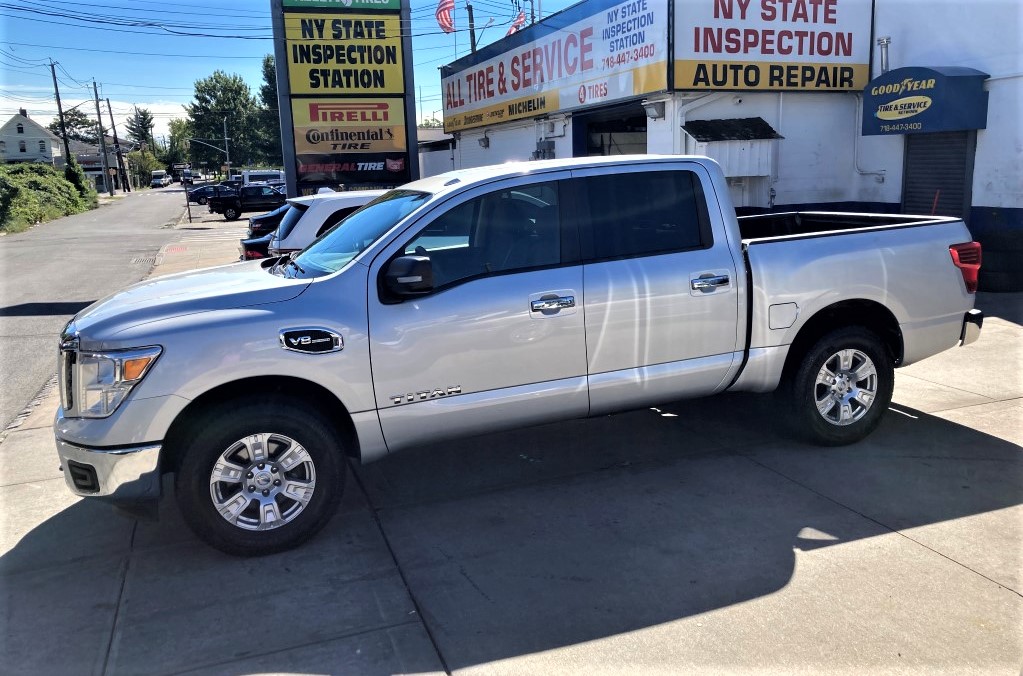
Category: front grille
[83,476]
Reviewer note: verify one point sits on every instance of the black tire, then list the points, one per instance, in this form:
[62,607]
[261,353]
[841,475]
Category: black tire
[228,426]
[231,214]
[802,391]
[202,200]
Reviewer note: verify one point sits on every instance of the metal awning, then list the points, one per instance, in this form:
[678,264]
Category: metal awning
[740,129]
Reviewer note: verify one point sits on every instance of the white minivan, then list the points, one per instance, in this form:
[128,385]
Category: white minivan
[313,215]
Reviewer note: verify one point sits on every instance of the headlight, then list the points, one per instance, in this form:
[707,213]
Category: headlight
[101,380]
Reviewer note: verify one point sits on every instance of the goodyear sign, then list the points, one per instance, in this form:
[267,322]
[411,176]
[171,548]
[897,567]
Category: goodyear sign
[781,45]
[590,54]
[348,54]
[922,100]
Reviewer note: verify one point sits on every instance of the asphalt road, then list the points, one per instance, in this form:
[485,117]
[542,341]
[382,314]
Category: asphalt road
[49,273]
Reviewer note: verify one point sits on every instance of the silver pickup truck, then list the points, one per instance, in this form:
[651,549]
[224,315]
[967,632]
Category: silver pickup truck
[488,299]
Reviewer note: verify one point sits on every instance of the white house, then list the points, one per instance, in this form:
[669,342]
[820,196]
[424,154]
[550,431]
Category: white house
[24,140]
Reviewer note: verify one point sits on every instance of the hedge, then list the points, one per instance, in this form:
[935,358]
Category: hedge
[34,193]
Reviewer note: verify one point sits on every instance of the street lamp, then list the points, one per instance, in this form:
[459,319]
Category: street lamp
[223,150]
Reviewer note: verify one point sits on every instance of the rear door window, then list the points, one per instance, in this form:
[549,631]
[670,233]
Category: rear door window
[643,213]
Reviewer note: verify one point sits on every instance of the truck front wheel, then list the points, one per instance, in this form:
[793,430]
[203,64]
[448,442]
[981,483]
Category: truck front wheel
[842,387]
[260,476]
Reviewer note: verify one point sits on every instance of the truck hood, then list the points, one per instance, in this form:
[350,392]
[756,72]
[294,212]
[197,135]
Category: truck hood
[221,288]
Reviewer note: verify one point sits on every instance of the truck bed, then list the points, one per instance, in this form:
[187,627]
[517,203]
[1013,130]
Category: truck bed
[814,223]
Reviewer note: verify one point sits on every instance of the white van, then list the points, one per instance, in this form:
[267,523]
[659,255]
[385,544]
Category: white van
[261,175]
[313,215]
[160,179]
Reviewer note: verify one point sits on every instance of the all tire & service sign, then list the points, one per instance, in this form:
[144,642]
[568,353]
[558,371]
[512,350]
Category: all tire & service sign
[808,45]
[591,53]
[348,73]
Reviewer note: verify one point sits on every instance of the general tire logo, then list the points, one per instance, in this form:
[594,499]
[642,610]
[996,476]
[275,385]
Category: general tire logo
[311,340]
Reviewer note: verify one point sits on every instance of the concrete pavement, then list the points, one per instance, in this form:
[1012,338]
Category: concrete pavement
[694,537]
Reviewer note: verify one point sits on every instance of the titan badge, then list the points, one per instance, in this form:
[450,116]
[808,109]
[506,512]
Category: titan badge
[424,395]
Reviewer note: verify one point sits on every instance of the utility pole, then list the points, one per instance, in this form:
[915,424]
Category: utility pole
[472,27]
[227,152]
[60,115]
[107,183]
[125,183]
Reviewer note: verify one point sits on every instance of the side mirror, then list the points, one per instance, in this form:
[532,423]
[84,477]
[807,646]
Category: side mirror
[409,276]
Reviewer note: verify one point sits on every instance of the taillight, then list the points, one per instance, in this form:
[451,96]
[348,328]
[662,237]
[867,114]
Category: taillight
[252,255]
[966,257]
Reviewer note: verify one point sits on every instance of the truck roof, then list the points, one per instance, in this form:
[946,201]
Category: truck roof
[343,196]
[460,178]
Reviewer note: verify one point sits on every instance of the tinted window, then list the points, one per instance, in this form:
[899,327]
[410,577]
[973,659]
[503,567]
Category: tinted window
[250,192]
[506,230]
[290,219]
[335,218]
[644,213]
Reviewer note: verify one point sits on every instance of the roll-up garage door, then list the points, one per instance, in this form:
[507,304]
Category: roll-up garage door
[938,173]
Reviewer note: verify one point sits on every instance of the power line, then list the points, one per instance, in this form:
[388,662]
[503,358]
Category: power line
[114,51]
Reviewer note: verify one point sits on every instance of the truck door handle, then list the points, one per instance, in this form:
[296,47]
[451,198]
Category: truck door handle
[552,303]
[709,283]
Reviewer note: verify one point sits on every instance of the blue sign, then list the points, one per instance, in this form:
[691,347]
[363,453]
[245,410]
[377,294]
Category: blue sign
[924,100]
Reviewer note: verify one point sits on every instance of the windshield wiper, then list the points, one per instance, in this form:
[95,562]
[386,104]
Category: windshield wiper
[291,261]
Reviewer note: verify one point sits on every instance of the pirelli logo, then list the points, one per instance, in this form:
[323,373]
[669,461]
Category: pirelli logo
[349,112]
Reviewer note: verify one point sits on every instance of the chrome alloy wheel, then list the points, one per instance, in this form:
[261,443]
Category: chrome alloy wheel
[845,387]
[263,481]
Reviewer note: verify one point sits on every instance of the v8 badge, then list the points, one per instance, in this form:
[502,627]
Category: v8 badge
[311,340]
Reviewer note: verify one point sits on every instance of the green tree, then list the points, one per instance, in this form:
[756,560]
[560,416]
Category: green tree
[178,146]
[219,98]
[141,164]
[268,127]
[140,127]
[74,173]
[79,127]
[431,123]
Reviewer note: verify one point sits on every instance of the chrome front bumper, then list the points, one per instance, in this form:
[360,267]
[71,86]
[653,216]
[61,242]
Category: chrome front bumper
[972,323]
[119,475]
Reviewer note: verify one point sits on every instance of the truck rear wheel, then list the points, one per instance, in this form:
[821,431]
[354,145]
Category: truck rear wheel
[841,388]
[231,214]
[260,476]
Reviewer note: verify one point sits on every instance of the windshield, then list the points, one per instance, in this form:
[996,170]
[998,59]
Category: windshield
[346,240]
[290,219]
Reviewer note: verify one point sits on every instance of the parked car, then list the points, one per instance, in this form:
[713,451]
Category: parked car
[265,224]
[253,248]
[202,195]
[313,215]
[248,198]
[488,299]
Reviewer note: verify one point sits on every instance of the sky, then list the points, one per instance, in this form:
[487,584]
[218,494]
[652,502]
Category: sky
[149,54]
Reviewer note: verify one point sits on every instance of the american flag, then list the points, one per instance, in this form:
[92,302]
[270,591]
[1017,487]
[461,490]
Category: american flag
[444,19]
[517,25]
